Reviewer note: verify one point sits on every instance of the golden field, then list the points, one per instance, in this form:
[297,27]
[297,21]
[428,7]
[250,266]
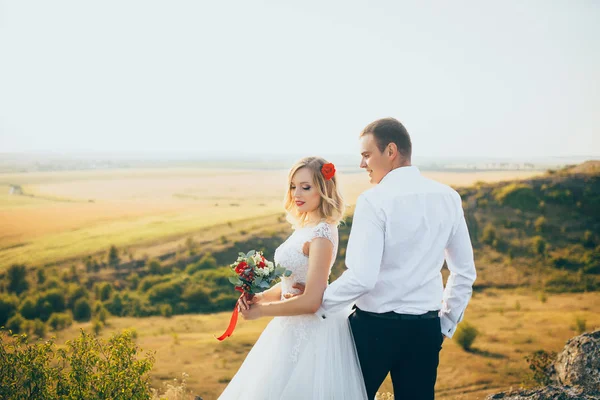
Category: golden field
[66,215]
[512,324]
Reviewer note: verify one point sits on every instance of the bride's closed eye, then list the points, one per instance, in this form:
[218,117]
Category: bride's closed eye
[303,187]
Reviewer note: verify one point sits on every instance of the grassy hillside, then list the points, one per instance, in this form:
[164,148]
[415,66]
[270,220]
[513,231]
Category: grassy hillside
[532,238]
[542,232]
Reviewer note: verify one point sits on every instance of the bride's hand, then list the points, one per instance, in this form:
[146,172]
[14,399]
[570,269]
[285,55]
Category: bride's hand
[298,286]
[245,303]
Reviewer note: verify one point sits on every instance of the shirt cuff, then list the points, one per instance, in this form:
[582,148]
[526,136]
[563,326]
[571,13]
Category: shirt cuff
[321,313]
[448,327]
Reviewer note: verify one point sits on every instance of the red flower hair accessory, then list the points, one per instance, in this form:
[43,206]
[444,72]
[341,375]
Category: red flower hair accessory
[328,170]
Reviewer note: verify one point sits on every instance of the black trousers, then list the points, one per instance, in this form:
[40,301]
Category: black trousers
[408,349]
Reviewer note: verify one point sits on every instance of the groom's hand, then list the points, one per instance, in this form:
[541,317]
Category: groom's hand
[298,286]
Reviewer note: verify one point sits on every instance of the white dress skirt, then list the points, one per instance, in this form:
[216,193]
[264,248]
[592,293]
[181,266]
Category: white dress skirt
[301,357]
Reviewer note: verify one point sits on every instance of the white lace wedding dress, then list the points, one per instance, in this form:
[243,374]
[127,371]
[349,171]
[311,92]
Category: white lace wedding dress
[301,357]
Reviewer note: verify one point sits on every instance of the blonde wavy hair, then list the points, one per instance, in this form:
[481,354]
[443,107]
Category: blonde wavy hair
[332,206]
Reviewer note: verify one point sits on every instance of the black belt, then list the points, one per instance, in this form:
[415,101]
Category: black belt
[393,315]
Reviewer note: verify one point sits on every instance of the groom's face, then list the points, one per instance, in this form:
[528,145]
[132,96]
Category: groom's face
[377,164]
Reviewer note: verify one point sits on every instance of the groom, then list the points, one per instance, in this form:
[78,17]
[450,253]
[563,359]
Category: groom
[403,230]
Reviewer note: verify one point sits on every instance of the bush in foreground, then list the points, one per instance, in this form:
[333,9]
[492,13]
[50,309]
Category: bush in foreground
[88,368]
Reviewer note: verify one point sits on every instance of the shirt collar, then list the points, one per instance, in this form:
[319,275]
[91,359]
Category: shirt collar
[402,173]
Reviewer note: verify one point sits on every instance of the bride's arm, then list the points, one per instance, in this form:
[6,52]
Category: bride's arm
[309,302]
[272,294]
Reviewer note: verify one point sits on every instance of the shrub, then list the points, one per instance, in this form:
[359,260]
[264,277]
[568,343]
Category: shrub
[113,257]
[102,315]
[8,307]
[41,276]
[465,335]
[540,363]
[134,280]
[588,240]
[88,368]
[97,326]
[82,311]
[17,278]
[540,224]
[580,325]
[55,297]
[489,234]
[103,291]
[149,281]
[196,297]
[76,292]
[206,262]
[517,195]
[154,267]
[166,292]
[39,328]
[166,310]
[115,305]
[59,321]
[28,308]
[539,245]
[16,323]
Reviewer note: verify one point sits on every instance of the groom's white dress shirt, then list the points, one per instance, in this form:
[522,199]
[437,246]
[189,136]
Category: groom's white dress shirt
[403,229]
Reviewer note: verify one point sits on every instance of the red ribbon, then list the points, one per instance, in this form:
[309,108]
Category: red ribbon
[232,323]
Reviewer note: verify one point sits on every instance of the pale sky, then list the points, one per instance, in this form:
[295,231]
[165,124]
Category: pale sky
[474,78]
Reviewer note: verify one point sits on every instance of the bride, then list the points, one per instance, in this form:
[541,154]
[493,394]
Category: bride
[299,355]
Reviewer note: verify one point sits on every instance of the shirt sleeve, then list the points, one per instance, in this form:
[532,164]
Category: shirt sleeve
[363,259]
[459,288]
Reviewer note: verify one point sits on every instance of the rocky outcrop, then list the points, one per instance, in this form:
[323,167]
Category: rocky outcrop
[579,362]
[575,374]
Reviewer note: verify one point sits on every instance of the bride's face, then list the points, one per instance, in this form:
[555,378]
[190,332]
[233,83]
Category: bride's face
[303,191]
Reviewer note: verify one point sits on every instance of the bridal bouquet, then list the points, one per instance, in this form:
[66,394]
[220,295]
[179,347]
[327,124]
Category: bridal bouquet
[252,274]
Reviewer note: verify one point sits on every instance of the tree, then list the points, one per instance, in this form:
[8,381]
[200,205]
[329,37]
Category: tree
[41,276]
[28,308]
[15,323]
[82,311]
[17,278]
[191,246]
[59,321]
[539,245]
[489,234]
[154,267]
[540,224]
[103,291]
[8,306]
[588,240]
[113,257]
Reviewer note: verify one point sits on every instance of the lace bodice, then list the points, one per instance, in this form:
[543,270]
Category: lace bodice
[290,255]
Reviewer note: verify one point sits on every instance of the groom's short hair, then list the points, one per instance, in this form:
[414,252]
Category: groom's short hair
[390,130]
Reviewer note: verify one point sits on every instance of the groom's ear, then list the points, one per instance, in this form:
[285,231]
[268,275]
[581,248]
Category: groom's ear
[392,149]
